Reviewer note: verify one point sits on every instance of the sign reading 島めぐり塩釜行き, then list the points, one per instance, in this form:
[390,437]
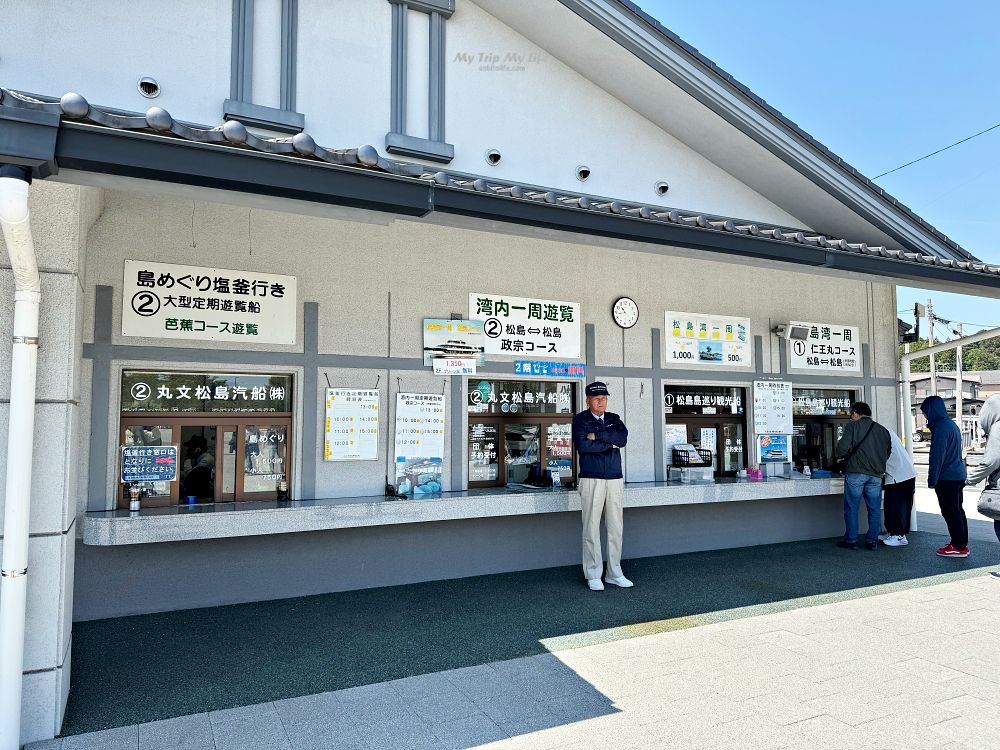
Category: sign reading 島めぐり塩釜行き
[829,347]
[520,326]
[697,339]
[163,300]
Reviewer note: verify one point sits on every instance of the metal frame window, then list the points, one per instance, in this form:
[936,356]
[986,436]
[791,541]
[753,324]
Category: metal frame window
[708,408]
[239,105]
[397,140]
[819,416]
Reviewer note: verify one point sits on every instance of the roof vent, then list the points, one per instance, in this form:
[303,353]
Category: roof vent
[661,188]
[149,88]
[582,173]
[493,157]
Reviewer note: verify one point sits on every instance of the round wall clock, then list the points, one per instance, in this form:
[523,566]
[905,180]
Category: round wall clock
[625,312]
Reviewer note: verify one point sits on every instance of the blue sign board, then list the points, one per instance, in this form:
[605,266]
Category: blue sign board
[149,463]
[551,369]
[774,449]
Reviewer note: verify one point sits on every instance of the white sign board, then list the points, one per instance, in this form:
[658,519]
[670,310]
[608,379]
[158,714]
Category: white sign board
[167,301]
[714,340]
[832,348]
[351,425]
[419,425]
[772,407]
[520,326]
[454,367]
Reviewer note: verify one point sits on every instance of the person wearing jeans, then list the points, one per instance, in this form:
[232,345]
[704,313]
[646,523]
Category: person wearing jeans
[866,446]
[946,474]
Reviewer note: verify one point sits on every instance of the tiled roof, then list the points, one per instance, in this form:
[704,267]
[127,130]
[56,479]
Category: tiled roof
[233,134]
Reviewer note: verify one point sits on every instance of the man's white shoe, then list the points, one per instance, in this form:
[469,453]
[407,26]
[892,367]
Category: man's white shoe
[595,584]
[621,582]
[895,541]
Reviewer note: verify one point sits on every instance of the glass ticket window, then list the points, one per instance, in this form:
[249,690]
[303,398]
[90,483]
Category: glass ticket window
[232,433]
[712,418]
[819,416]
[520,432]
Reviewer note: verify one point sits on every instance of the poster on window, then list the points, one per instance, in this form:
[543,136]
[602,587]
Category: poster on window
[706,340]
[829,347]
[773,449]
[351,425]
[419,443]
[168,301]
[453,340]
[520,326]
[772,407]
[673,434]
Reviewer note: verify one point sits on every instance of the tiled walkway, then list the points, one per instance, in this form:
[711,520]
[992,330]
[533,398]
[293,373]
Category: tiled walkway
[916,668]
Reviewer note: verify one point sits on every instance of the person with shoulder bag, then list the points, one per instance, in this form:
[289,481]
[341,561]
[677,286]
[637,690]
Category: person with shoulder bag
[864,449]
[989,468]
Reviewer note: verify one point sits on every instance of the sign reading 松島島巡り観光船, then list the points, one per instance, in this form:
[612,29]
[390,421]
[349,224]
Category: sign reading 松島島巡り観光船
[829,347]
[520,326]
[694,339]
[167,301]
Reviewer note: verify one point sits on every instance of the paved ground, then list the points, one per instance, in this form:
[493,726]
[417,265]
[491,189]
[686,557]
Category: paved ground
[785,646]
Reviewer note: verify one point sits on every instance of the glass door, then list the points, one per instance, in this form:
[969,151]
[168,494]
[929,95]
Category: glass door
[523,453]
[265,460]
[484,453]
[226,460]
[155,494]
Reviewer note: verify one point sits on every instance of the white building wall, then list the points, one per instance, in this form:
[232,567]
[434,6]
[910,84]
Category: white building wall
[61,217]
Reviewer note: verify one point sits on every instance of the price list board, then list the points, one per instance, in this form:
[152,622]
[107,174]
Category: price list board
[772,407]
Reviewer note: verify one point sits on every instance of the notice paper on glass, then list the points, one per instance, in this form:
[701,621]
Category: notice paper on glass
[351,425]
[772,407]
[673,434]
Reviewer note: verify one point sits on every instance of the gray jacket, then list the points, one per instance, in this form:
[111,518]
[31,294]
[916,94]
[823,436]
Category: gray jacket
[988,417]
[873,453]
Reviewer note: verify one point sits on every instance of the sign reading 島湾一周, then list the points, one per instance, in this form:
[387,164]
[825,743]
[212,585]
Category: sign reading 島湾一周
[163,300]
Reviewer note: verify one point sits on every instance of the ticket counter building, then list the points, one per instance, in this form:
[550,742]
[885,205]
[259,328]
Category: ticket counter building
[243,239]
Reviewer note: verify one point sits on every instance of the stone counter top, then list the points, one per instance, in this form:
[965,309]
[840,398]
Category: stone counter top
[182,523]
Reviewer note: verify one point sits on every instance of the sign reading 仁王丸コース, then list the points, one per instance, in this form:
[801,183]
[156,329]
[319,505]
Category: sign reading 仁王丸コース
[829,347]
[696,339]
[519,326]
[166,301]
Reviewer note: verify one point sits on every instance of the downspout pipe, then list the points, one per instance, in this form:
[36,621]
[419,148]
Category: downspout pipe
[15,221]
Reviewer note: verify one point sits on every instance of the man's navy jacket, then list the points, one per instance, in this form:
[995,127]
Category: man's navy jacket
[598,459]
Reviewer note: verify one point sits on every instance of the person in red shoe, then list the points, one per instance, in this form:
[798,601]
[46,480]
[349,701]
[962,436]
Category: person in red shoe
[946,474]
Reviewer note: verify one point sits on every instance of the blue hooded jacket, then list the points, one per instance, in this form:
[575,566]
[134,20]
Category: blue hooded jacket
[946,462]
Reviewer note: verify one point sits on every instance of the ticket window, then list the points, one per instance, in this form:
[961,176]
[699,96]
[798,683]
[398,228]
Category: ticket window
[819,416]
[519,433]
[228,451]
[708,417]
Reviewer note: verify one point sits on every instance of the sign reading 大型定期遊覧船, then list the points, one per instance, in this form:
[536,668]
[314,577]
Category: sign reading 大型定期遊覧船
[693,339]
[829,347]
[167,301]
[519,326]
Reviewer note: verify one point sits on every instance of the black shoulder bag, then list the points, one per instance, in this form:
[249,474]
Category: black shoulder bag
[842,462]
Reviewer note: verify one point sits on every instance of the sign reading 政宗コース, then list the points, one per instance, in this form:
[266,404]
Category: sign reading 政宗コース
[167,301]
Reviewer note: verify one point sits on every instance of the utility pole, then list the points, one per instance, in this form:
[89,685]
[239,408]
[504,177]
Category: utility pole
[930,344]
[959,411]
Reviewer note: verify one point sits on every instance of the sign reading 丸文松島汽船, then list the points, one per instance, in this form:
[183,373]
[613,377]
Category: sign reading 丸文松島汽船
[351,425]
[148,463]
[167,301]
[829,347]
[519,326]
[204,392]
[772,407]
[696,339]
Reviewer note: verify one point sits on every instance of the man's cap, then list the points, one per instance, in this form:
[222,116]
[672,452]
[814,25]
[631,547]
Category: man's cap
[597,388]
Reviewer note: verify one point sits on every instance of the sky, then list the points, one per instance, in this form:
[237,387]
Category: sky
[880,83]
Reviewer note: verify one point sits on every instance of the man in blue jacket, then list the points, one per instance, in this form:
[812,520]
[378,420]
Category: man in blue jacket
[598,436]
[946,474]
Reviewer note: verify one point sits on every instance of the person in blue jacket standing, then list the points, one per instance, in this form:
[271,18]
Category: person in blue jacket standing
[946,474]
[599,435]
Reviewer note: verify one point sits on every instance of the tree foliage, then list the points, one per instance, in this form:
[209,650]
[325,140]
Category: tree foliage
[984,355]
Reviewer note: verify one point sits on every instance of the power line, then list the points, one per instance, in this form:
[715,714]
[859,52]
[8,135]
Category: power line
[934,153]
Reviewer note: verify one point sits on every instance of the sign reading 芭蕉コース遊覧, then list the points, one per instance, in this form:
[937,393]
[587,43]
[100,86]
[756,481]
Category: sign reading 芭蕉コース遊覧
[829,347]
[694,339]
[167,301]
[520,326]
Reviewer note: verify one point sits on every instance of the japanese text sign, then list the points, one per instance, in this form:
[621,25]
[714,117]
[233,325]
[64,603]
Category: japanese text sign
[772,407]
[201,392]
[519,326]
[713,340]
[351,425]
[162,300]
[550,369]
[148,463]
[829,347]
[419,425]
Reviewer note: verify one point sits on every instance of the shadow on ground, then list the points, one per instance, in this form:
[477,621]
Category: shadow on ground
[136,669]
